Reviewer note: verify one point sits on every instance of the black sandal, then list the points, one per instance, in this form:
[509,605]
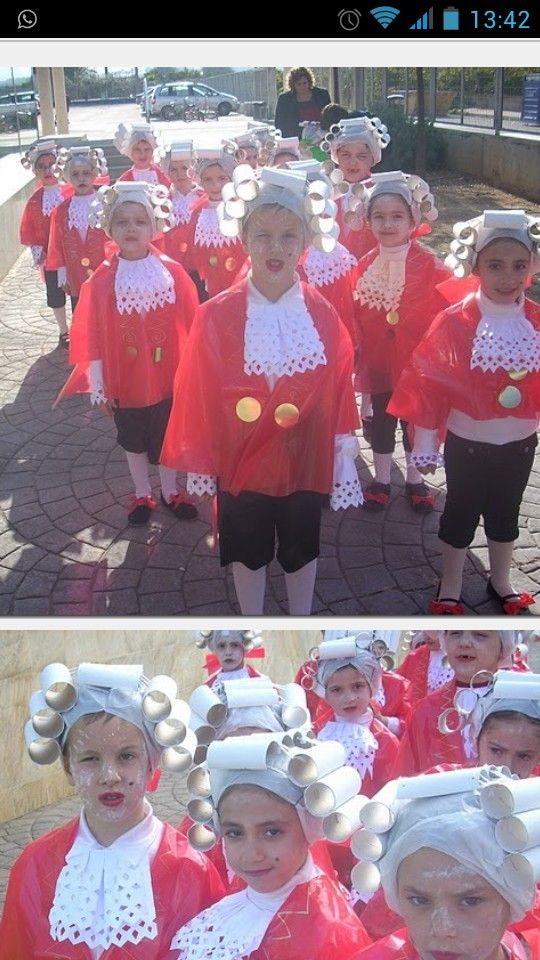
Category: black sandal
[63,341]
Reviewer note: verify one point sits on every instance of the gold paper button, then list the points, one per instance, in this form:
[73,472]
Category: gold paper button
[517,374]
[132,351]
[392,317]
[213,260]
[230,264]
[286,415]
[182,246]
[85,262]
[248,409]
[509,398]
[157,354]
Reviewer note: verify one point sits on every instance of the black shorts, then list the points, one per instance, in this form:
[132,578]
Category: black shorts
[383,426]
[250,523]
[55,295]
[483,479]
[141,429]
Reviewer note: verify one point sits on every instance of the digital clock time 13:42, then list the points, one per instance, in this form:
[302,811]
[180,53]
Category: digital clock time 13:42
[507,20]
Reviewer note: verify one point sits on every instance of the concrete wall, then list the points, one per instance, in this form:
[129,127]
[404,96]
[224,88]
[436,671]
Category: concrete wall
[16,185]
[508,161]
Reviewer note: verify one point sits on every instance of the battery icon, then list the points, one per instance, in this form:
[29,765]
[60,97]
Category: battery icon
[450,18]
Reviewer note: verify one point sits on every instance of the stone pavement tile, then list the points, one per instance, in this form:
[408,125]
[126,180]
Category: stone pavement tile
[32,607]
[170,604]
[359,534]
[91,472]
[54,541]
[201,568]
[331,591]
[397,556]
[83,552]
[72,591]
[85,488]
[187,532]
[402,533]
[98,501]
[34,527]
[60,508]
[71,610]
[28,510]
[412,578]
[97,535]
[53,492]
[121,603]
[23,558]
[10,581]
[394,603]
[369,581]
[36,584]
[162,581]
[5,604]
[115,579]
[115,515]
[20,496]
[10,540]
[328,568]
[352,606]
[360,556]
[125,553]
[202,591]
[71,570]
[169,556]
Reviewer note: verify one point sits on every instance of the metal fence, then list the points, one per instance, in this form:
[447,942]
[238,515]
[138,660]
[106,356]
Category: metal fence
[257,85]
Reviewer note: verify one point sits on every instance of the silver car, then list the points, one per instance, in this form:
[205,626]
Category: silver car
[198,94]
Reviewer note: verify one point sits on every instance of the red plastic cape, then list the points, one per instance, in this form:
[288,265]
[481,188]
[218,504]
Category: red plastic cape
[162,177]
[66,249]
[398,947]
[34,227]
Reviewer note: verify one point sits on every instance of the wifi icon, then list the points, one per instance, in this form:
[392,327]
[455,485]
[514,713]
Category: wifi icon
[384,15]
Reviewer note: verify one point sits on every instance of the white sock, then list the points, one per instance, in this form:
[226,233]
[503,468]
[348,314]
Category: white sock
[300,586]
[167,476]
[413,476]
[138,468]
[250,586]
[383,465]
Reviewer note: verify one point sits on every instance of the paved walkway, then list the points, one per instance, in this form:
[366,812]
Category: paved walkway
[66,548]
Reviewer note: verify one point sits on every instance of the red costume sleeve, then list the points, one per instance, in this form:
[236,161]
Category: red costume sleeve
[415,668]
[55,255]
[34,227]
[423,745]
[397,698]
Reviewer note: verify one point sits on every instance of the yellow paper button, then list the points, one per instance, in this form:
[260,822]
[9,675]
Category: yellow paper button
[230,264]
[85,262]
[517,374]
[286,415]
[392,317]
[213,260]
[182,246]
[248,409]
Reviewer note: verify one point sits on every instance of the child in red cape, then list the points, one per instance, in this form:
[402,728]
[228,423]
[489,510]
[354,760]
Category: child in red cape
[425,665]
[139,142]
[178,162]
[228,649]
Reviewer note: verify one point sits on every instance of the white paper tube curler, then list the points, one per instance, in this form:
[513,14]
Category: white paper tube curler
[159,697]
[242,682]
[437,784]
[293,695]
[200,837]
[336,649]
[365,878]
[465,700]
[295,716]
[203,731]
[512,690]
[522,870]
[504,219]
[176,759]
[172,731]
[515,834]
[124,675]
[250,696]
[200,753]
[503,799]
[204,702]
[532,678]
[368,846]
[46,721]
[198,782]
[341,824]
[242,753]
[377,815]
[307,766]
[200,810]
[58,687]
[327,794]
[41,750]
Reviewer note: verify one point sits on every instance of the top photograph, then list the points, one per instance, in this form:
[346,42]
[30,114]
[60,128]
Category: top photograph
[270,341]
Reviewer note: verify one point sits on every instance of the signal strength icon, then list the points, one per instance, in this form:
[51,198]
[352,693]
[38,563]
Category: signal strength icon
[385,15]
[425,22]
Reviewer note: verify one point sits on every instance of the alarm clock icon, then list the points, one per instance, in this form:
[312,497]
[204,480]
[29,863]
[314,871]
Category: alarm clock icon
[349,19]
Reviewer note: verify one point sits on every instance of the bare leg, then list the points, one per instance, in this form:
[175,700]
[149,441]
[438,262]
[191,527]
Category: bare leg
[453,560]
[250,586]
[500,561]
[300,586]
[60,317]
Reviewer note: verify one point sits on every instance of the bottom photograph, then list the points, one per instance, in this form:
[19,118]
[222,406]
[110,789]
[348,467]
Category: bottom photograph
[270,795]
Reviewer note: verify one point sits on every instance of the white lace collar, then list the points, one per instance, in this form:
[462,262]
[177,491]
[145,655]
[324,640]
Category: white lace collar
[78,213]
[360,743]
[207,232]
[469,744]
[51,198]
[235,926]
[504,337]
[103,895]
[147,176]
[231,675]
[280,338]
[182,205]
[322,268]
[437,673]
[143,285]
[381,285]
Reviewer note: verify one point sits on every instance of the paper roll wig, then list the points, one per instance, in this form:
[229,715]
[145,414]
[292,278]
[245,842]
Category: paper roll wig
[40,149]
[153,197]
[369,130]
[471,236]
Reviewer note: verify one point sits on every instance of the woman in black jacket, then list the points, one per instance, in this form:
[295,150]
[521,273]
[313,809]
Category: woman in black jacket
[302,101]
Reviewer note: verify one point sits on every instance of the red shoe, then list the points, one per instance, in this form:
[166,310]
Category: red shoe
[181,506]
[420,499]
[513,604]
[446,606]
[376,496]
[140,510]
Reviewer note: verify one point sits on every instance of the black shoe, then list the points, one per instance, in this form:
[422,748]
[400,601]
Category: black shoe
[181,506]
[420,499]
[63,341]
[376,497]
[141,510]
[513,604]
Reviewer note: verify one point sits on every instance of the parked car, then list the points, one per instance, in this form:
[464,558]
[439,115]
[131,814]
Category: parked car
[200,95]
[26,102]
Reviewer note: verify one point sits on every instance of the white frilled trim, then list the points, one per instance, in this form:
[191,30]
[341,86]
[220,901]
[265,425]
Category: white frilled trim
[323,268]
[504,338]
[235,926]
[381,285]
[78,210]
[357,739]
[95,376]
[437,673]
[52,197]
[199,484]
[182,205]
[207,232]
[37,254]
[425,452]
[146,176]
[61,275]
[346,489]
[379,696]
[142,285]
[280,338]
[469,743]
[103,895]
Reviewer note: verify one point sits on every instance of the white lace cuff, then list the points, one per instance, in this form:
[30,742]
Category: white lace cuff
[95,376]
[37,254]
[394,725]
[199,484]
[62,277]
[346,490]
[425,452]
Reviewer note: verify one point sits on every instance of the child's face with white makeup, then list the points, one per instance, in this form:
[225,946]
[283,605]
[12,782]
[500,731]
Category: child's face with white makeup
[451,912]
[230,653]
[131,229]
[348,693]
[264,841]
[213,179]
[390,220]
[141,155]
[44,168]
[179,174]
[355,161]
[503,267]
[81,176]
[511,742]
[274,239]
[469,651]
[107,762]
